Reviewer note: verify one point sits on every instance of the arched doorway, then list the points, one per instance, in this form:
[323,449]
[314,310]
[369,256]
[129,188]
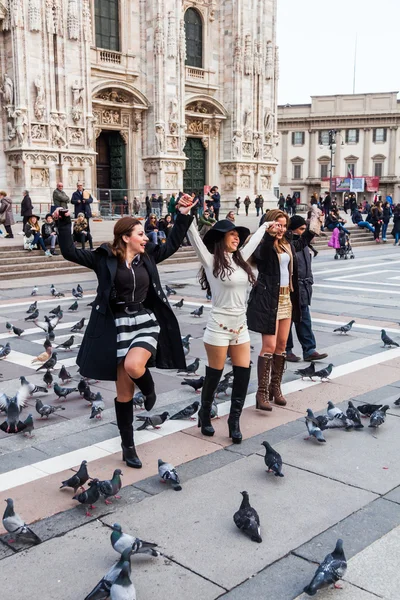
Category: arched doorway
[111,166]
[194,175]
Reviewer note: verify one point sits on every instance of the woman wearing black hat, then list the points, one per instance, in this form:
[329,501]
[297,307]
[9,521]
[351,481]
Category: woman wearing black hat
[226,274]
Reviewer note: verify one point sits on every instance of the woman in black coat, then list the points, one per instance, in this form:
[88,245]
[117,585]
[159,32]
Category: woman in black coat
[132,325]
[26,208]
[274,302]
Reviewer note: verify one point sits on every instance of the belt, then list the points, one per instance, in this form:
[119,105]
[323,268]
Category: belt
[129,308]
[284,291]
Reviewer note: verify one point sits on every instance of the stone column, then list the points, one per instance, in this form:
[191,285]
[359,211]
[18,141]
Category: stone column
[284,166]
[312,159]
[366,151]
[392,151]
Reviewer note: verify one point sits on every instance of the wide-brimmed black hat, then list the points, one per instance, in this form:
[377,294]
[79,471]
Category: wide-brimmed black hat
[218,231]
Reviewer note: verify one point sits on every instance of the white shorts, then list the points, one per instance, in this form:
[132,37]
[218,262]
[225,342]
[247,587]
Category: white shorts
[226,330]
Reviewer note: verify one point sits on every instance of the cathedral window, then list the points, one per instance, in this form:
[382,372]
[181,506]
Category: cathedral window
[194,38]
[107,24]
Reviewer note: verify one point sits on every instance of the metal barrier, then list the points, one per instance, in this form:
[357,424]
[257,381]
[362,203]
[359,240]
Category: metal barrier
[116,203]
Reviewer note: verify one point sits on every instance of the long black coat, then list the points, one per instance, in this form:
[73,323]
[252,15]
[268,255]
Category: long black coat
[305,275]
[264,297]
[26,206]
[97,356]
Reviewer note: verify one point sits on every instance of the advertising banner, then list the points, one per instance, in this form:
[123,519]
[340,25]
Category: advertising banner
[342,184]
[372,184]
[357,184]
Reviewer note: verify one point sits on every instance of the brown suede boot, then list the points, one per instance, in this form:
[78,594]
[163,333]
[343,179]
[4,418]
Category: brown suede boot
[264,367]
[278,367]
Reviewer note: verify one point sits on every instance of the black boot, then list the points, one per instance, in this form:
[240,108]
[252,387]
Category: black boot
[210,384]
[145,384]
[124,413]
[241,378]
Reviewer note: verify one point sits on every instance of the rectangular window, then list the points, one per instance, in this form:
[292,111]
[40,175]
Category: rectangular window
[296,171]
[350,170]
[298,138]
[378,169]
[324,171]
[352,136]
[380,134]
[107,24]
[323,138]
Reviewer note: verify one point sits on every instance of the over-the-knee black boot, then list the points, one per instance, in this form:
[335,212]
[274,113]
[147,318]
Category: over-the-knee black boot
[124,413]
[210,384]
[145,384]
[241,378]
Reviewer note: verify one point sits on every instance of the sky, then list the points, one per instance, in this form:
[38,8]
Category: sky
[316,44]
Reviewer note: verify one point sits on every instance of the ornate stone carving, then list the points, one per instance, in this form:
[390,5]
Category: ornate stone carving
[245,181]
[97,132]
[77,101]
[20,127]
[257,145]
[50,21]
[40,100]
[215,128]
[276,63]
[269,61]
[258,59]
[247,148]
[237,144]
[116,96]
[171,43]
[136,120]
[58,129]
[76,136]
[248,55]
[125,135]
[266,182]
[89,130]
[267,152]
[205,141]
[39,157]
[39,132]
[125,120]
[87,21]
[73,20]
[171,181]
[159,36]
[238,55]
[160,137]
[197,126]
[34,15]
[268,125]
[75,175]
[182,41]
[173,110]
[111,117]
[200,107]
[40,178]
[17,13]
[58,17]
[172,142]
[7,91]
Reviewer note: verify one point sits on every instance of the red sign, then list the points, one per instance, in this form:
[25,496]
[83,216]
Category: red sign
[372,184]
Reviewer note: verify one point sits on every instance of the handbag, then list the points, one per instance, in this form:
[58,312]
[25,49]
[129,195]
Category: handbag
[3,217]
[28,241]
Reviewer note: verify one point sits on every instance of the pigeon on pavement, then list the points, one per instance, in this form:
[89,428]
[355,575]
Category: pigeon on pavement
[102,590]
[32,307]
[64,375]
[123,588]
[273,460]
[5,350]
[90,396]
[198,311]
[67,344]
[222,387]
[397,402]
[367,409]
[55,311]
[344,328]
[48,378]
[32,388]
[155,421]
[168,473]
[55,293]
[332,568]
[78,326]
[89,496]
[29,426]
[313,427]
[79,289]
[79,478]
[186,339]
[76,294]
[186,347]
[16,526]
[34,291]
[324,373]
[138,399]
[33,316]
[45,410]
[335,414]
[178,304]
[192,368]
[307,371]
[121,542]
[74,306]
[247,519]
[387,341]
[49,325]
[353,414]
[214,410]
[196,384]
[82,386]
[378,417]
[13,407]
[110,487]
[47,344]
[18,331]
[170,291]
[63,392]
[97,407]
[186,413]
[43,356]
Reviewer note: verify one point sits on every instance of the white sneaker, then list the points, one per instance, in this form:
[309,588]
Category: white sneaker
[48,253]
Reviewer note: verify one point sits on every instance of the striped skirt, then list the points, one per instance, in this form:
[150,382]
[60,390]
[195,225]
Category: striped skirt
[136,331]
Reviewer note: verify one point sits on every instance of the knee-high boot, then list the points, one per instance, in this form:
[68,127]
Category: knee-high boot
[210,385]
[124,413]
[278,367]
[241,378]
[145,384]
[264,367]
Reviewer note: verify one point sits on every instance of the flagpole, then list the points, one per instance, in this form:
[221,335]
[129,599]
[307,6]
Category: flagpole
[355,65]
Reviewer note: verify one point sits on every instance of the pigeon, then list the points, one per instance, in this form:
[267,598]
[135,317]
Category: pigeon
[332,568]
[79,289]
[78,479]
[186,339]
[54,292]
[155,421]
[313,427]
[178,304]
[48,378]
[45,410]
[397,402]
[82,386]
[50,363]
[196,384]
[29,426]
[47,344]
[110,487]
[322,422]
[387,341]
[353,414]
[186,348]
[334,412]
[90,396]
[63,392]
[63,374]
[273,460]
[32,308]
[123,588]
[307,372]
[97,408]
[214,410]
[55,311]
[43,356]
[344,328]
[187,412]
[34,291]
[67,344]
[17,331]
[13,407]
[102,590]
[198,311]
[76,294]
[15,525]
[122,541]
[324,373]
[170,291]
[78,326]
[222,387]
[138,399]
[89,496]
[32,388]
[49,325]
[378,417]
[33,316]
[247,519]
[168,473]
[192,368]
[74,306]
[337,418]
[5,350]
[368,409]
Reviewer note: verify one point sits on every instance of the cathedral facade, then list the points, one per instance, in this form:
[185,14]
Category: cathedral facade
[141,96]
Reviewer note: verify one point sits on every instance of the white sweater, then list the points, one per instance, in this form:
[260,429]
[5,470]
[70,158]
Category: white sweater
[228,296]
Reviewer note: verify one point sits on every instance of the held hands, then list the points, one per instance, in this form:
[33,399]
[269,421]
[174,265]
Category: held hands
[185,203]
[273,227]
[60,213]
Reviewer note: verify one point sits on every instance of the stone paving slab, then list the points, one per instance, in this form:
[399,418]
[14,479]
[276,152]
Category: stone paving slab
[20,458]
[349,591]
[78,440]
[273,436]
[353,457]
[394,495]
[207,519]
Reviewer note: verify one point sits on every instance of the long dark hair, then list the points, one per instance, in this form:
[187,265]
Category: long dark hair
[222,267]
[122,227]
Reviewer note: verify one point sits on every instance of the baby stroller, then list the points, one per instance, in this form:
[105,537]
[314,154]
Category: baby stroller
[345,250]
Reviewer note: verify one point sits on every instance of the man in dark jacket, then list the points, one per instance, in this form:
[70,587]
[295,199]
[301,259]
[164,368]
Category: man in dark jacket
[327,203]
[297,226]
[60,198]
[82,200]
[216,198]
[26,208]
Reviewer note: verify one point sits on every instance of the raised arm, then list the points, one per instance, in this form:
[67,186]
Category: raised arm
[199,247]
[86,258]
[174,240]
[304,240]
[253,242]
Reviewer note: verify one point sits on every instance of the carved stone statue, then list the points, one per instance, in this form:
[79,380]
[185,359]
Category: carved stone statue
[173,110]
[20,125]
[237,144]
[40,102]
[269,61]
[160,137]
[159,36]
[58,130]
[257,145]
[7,90]
[77,100]
[238,55]
[248,55]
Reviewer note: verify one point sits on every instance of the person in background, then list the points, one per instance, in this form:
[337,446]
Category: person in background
[396,224]
[49,234]
[60,198]
[281,202]
[125,204]
[136,205]
[376,220]
[26,208]
[195,207]
[32,230]
[151,228]
[297,226]
[358,220]
[231,216]
[237,204]
[352,202]
[216,198]
[346,203]
[327,203]
[386,216]
[389,199]
[257,204]
[367,207]
[160,200]
[288,204]
[82,199]
[165,225]
[7,216]
[148,207]
[206,221]
[334,221]
[294,204]
[247,203]
[82,232]
[171,206]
